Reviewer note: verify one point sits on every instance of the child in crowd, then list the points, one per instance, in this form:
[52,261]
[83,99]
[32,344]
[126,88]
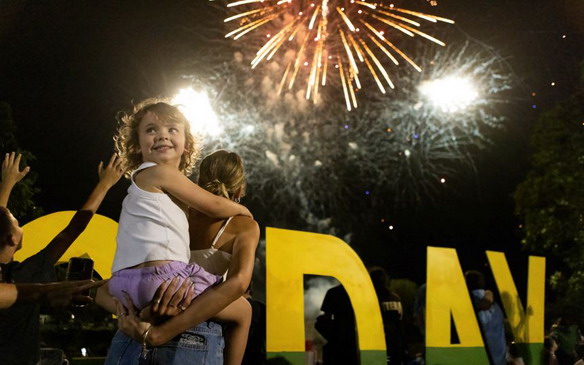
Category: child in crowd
[158,151]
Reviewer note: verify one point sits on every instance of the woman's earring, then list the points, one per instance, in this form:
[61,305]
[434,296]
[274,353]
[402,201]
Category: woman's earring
[237,200]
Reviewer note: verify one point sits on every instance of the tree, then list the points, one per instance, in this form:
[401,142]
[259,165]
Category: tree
[21,203]
[551,199]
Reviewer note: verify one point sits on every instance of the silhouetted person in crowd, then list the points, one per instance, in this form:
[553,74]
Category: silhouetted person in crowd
[514,355]
[580,354]
[567,336]
[420,310]
[337,326]
[392,314]
[549,351]
[490,317]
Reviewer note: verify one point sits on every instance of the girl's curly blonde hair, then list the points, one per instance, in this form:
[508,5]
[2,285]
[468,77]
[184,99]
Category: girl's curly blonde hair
[127,142]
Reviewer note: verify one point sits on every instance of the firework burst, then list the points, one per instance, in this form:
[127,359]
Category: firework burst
[336,41]
[317,164]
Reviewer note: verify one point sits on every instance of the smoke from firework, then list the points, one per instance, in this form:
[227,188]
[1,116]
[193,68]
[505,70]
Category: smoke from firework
[308,164]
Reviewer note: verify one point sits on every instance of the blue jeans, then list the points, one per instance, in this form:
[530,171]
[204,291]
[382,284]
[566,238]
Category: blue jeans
[123,350]
[202,344]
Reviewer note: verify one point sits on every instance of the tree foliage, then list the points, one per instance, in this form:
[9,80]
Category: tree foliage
[21,203]
[551,199]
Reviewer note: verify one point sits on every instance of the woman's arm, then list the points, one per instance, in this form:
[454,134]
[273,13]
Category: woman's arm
[171,181]
[215,299]
[212,301]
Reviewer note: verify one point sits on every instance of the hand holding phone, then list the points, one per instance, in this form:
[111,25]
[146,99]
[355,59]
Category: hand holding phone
[80,268]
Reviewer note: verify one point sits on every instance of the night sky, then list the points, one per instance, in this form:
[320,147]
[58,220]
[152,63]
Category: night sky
[67,68]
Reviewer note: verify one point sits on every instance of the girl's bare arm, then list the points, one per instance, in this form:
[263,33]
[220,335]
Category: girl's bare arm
[173,182]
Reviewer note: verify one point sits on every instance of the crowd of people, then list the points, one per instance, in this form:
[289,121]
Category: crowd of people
[183,266]
[564,345]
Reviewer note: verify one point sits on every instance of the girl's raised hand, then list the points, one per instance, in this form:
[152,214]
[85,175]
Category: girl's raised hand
[10,169]
[112,173]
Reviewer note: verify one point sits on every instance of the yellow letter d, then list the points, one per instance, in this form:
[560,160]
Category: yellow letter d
[292,254]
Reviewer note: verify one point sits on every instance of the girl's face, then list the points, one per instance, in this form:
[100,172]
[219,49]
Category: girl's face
[162,142]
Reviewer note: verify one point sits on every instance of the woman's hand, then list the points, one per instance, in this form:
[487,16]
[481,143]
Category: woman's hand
[128,322]
[169,301]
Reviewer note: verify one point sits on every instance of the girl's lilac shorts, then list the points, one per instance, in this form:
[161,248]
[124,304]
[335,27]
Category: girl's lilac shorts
[141,283]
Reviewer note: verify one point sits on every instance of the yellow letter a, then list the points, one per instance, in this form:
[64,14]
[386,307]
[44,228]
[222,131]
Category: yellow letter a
[446,295]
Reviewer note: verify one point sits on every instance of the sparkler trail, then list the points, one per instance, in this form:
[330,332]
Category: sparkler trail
[355,37]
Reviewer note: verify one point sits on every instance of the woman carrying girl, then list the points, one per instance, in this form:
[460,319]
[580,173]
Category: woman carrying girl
[221,246]
[153,240]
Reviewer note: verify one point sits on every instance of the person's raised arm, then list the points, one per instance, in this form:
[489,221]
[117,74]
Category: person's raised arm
[10,176]
[208,304]
[179,186]
[108,177]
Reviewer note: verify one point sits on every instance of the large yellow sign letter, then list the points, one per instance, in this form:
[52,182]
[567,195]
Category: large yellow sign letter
[448,295]
[527,326]
[292,254]
[97,242]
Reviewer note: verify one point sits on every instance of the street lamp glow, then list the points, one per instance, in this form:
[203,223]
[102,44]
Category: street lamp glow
[450,94]
[196,107]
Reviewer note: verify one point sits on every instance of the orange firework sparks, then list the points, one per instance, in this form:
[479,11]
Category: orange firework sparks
[344,38]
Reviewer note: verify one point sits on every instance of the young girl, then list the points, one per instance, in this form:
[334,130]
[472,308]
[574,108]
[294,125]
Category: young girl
[153,240]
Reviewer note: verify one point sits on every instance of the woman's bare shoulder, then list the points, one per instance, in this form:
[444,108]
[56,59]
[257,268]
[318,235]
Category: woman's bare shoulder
[241,224]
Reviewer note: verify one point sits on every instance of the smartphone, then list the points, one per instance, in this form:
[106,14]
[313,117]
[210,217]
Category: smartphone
[80,268]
